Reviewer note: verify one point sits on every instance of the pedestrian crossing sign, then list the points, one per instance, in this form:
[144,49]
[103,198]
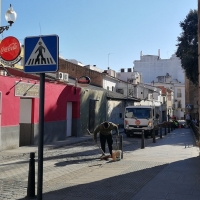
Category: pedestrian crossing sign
[41,54]
[188,106]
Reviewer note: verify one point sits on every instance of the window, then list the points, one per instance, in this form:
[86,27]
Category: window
[150,97]
[130,92]
[169,97]
[121,91]
[179,104]
[178,92]
[112,88]
[142,113]
[164,101]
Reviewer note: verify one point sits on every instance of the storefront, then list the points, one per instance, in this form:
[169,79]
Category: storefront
[19,106]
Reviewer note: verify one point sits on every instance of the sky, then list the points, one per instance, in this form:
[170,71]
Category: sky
[105,33]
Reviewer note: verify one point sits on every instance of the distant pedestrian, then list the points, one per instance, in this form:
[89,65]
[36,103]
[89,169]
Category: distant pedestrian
[168,117]
[157,115]
[188,119]
[194,121]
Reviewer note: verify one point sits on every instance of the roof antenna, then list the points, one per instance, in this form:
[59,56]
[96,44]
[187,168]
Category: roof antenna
[40,28]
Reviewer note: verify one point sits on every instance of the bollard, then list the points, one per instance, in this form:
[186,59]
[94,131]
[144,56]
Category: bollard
[171,127]
[121,145]
[160,131]
[154,136]
[168,128]
[31,176]
[142,140]
[165,129]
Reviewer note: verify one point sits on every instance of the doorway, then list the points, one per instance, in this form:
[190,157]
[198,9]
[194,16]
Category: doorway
[92,106]
[25,129]
[69,119]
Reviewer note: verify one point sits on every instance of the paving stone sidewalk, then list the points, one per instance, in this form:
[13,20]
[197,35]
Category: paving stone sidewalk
[167,169]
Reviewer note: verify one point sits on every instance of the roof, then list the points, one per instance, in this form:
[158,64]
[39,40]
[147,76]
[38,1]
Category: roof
[110,94]
[140,106]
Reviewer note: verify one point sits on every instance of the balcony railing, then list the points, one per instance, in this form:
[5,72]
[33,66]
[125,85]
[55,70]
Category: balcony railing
[179,105]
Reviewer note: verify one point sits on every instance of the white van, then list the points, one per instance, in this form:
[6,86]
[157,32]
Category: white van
[138,118]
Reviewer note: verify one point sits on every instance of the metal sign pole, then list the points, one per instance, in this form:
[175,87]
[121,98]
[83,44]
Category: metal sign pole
[41,137]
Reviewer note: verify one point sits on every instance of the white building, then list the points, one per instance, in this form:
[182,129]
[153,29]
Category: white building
[75,62]
[152,66]
[178,105]
[167,73]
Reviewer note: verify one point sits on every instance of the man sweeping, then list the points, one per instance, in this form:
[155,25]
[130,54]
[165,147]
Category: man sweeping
[104,129]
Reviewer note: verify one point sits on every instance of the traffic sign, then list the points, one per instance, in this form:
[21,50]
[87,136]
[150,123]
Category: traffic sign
[188,106]
[41,54]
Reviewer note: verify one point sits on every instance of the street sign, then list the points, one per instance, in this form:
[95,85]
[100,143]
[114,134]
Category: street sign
[84,81]
[188,106]
[41,54]
[10,50]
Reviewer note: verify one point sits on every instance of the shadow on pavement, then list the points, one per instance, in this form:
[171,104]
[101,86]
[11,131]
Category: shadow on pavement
[140,180]
[122,186]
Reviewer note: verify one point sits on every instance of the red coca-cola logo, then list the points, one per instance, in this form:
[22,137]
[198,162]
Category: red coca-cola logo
[9,48]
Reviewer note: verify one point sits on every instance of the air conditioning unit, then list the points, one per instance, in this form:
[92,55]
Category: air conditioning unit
[65,77]
[3,73]
[59,75]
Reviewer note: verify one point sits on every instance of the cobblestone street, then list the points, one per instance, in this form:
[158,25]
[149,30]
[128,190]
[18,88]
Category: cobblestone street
[60,167]
[168,167]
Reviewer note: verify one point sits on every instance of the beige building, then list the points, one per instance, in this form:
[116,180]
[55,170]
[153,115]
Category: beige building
[191,98]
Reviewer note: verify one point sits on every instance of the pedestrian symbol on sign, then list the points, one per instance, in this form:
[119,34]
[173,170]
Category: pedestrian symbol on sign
[40,55]
[188,106]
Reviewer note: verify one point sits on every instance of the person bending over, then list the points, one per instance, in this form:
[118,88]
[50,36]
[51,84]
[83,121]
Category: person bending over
[104,129]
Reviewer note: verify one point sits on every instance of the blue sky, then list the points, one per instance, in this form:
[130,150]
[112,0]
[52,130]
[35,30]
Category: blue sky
[89,30]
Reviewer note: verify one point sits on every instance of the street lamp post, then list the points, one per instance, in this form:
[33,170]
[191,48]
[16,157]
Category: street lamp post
[108,59]
[10,16]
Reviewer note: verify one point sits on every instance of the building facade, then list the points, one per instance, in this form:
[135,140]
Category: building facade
[19,97]
[152,66]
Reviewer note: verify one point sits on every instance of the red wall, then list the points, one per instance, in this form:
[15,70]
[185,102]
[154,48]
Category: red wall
[56,98]
[10,103]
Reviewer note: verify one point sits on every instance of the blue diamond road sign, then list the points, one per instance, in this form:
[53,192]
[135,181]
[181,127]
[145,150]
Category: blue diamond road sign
[41,54]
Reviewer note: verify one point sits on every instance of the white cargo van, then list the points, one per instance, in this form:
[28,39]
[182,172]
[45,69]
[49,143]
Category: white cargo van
[138,118]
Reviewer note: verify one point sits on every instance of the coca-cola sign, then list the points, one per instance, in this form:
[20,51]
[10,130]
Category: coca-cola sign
[84,81]
[10,49]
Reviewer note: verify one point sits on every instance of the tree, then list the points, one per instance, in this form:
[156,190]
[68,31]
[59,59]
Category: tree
[187,49]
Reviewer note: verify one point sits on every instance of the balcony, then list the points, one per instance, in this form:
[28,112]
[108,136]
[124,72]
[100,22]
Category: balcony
[179,105]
